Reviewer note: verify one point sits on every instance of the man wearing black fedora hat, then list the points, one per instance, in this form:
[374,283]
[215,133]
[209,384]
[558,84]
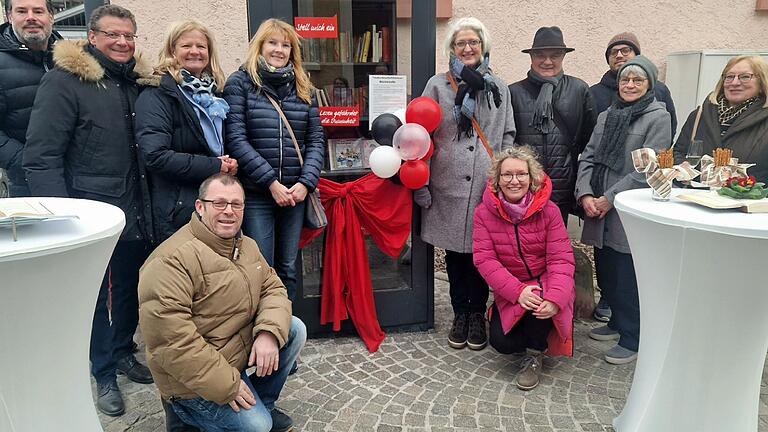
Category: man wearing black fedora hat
[554,114]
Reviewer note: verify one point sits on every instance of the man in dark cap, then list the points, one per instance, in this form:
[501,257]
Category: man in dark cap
[554,114]
[622,48]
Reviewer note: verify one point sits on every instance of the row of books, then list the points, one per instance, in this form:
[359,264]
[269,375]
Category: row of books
[372,46]
[331,95]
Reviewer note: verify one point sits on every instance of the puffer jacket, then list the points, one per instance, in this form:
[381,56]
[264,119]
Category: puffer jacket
[261,143]
[606,92]
[536,251]
[175,152]
[558,152]
[80,141]
[20,72]
[202,301]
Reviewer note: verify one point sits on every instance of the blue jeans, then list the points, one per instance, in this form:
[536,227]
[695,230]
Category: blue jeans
[277,231]
[112,339]
[618,284]
[212,417]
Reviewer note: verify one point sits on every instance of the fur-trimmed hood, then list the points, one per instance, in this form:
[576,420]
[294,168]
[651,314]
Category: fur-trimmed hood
[72,57]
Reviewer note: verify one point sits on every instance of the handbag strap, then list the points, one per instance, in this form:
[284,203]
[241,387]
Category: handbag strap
[696,123]
[474,122]
[288,126]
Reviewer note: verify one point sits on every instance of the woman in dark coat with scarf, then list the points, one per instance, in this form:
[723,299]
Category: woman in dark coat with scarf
[734,116]
[276,184]
[635,120]
[179,125]
[459,167]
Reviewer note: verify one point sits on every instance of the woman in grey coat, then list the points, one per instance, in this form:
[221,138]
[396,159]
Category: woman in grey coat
[635,120]
[459,168]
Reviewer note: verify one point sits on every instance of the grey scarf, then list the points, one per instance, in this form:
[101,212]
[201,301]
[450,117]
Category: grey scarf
[470,82]
[543,113]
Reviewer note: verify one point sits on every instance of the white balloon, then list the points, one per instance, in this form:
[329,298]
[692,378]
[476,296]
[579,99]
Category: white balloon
[385,162]
[411,141]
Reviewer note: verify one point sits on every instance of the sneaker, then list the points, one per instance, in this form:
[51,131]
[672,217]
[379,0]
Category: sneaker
[281,422]
[528,378]
[602,311]
[604,333]
[457,338]
[477,338]
[619,355]
[109,400]
[134,370]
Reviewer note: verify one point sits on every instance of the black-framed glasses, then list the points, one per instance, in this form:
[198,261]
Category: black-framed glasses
[543,55]
[222,204]
[743,78]
[521,177]
[474,43]
[129,37]
[624,51]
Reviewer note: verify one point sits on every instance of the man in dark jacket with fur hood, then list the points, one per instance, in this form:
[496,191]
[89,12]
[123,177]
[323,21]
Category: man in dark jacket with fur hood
[26,44]
[554,114]
[80,144]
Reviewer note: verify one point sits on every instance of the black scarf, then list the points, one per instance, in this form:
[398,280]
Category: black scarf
[609,154]
[470,81]
[543,112]
[280,79]
[115,70]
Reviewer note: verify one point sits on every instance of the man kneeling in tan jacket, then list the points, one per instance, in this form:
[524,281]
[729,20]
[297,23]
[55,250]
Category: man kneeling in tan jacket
[210,306]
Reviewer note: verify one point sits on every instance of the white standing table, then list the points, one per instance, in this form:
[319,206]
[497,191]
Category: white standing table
[49,282]
[703,291]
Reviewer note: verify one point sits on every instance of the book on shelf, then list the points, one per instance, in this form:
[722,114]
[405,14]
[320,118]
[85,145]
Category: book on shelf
[714,200]
[386,45]
[371,46]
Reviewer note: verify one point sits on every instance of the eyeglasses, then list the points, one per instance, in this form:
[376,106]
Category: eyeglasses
[521,177]
[222,205]
[638,81]
[474,43]
[743,78]
[541,56]
[129,37]
[624,51]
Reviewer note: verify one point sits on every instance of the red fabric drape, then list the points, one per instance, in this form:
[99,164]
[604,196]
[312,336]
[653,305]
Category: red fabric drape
[381,208]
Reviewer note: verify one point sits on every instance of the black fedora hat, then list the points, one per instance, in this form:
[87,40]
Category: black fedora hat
[548,38]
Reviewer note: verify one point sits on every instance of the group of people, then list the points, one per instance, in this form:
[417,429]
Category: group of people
[192,157]
[555,146]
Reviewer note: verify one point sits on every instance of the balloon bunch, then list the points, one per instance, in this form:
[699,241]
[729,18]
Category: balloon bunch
[406,147]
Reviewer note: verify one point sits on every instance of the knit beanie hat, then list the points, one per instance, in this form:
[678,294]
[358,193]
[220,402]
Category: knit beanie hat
[626,38]
[650,69]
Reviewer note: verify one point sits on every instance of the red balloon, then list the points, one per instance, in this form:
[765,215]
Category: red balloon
[431,151]
[414,174]
[424,111]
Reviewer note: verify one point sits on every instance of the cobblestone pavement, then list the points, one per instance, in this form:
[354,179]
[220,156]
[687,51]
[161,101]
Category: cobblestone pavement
[415,382]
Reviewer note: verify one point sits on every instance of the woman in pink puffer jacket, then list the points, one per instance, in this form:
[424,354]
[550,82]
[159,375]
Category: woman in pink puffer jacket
[521,248]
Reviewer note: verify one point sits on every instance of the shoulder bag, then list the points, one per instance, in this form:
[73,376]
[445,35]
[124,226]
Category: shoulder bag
[314,214]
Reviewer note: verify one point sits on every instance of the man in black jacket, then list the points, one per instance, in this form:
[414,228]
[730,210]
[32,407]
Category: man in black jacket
[26,43]
[80,144]
[622,48]
[554,114]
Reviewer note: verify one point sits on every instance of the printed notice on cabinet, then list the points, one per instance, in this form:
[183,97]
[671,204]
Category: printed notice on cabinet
[387,94]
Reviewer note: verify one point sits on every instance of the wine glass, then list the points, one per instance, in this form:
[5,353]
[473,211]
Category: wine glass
[695,150]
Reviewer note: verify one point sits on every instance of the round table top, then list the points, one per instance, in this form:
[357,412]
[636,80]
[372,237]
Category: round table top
[690,215]
[96,220]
